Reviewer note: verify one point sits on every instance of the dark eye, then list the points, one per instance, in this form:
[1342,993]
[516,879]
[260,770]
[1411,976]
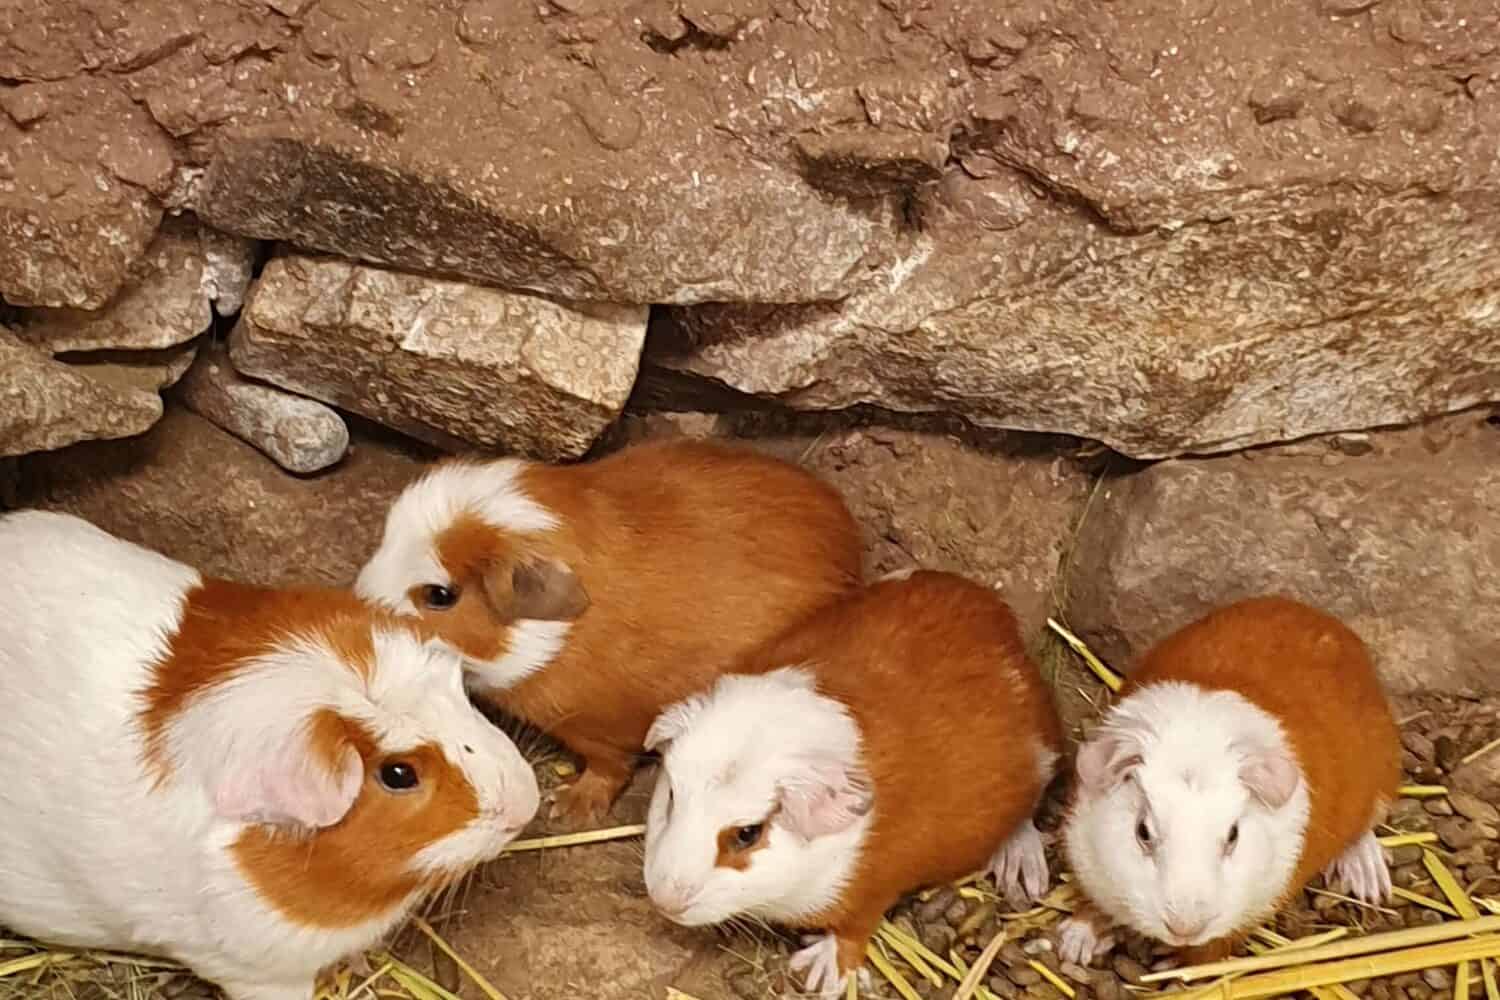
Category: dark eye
[439,598]
[1234,836]
[398,776]
[747,837]
[1143,834]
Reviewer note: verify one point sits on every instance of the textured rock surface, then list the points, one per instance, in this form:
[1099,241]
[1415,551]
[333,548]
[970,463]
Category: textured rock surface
[46,404]
[1329,314]
[166,301]
[1173,228]
[441,360]
[194,492]
[1400,539]
[299,434]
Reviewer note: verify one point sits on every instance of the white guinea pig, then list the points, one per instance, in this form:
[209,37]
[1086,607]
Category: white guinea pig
[253,782]
[1249,751]
[897,738]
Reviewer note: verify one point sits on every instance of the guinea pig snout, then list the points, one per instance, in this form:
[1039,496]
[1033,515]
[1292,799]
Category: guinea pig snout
[1187,923]
[673,897]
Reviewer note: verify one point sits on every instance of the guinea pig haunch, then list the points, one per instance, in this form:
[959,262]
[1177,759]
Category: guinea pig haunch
[586,598]
[254,782]
[1249,751]
[895,739]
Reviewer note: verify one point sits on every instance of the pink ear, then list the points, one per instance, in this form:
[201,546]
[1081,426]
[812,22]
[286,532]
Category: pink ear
[290,787]
[1104,760]
[1272,776]
[823,796]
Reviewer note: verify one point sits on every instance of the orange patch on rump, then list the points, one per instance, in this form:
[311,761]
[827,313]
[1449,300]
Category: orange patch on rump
[360,869]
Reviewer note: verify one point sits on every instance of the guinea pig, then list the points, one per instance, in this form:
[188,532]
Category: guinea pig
[898,738]
[585,598]
[253,782]
[1249,751]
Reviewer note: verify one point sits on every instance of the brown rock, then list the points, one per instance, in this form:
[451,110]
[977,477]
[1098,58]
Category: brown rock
[299,434]
[166,301]
[192,491]
[441,360]
[46,404]
[1142,342]
[1474,808]
[71,228]
[1455,833]
[1162,546]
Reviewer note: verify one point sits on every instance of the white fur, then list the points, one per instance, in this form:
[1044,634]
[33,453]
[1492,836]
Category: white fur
[408,556]
[1192,743]
[94,854]
[732,754]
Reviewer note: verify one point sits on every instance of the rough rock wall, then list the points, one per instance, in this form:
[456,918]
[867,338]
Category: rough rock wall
[1171,227]
[1174,229]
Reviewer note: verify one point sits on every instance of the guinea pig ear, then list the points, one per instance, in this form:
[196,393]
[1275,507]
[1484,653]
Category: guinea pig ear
[673,722]
[822,795]
[535,587]
[1104,761]
[310,778]
[1271,775]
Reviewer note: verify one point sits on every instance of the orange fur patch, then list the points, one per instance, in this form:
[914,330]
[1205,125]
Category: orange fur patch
[692,554]
[357,870]
[225,625]
[911,659]
[731,854]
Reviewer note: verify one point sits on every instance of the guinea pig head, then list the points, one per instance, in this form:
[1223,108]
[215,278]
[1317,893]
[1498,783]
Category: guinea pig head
[349,755]
[470,552]
[1188,815]
[762,803]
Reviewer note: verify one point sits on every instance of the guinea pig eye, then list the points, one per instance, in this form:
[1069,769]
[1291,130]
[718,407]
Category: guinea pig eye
[398,776]
[1233,838]
[747,837]
[439,598]
[1143,834]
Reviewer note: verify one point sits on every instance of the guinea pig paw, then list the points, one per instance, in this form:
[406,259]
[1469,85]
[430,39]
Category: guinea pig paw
[582,804]
[1020,867]
[818,965]
[1362,870]
[1078,942]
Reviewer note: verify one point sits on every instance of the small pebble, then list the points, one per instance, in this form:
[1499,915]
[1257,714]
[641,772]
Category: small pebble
[1380,990]
[1419,991]
[957,911]
[1447,752]
[938,937]
[1418,744]
[1456,833]
[1475,808]
[1405,979]
[935,908]
[1471,855]
[1359,986]
[1408,876]
[1023,975]
[1406,811]
[1410,854]
[1480,872]
[1107,987]
[1438,979]
[1129,969]
[1438,807]
[1430,917]
[1077,973]
[1004,988]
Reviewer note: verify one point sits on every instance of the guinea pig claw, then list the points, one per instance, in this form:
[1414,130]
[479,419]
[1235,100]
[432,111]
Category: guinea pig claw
[1079,942]
[1020,867]
[818,964]
[1362,870]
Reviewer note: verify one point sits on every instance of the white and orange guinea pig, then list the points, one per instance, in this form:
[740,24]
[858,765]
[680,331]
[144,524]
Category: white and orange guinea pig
[1249,751]
[898,738]
[253,782]
[586,598]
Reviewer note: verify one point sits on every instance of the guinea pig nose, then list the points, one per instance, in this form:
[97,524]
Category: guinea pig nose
[673,897]
[1186,928]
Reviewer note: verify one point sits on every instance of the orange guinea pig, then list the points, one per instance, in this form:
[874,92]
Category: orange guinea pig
[587,597]
[1250,751]
[896,739]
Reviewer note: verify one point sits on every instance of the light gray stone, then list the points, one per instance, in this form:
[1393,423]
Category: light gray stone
[299,434]
[443,361]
